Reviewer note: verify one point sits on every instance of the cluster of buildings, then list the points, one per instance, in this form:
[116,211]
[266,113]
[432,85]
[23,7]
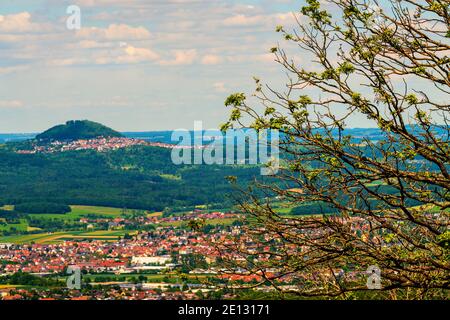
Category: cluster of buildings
[146,250]
[172,261]
[119,292]
[192,216]
[162,251]
[99,144]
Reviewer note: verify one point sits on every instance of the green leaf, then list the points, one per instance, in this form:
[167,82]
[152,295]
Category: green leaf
[236,99]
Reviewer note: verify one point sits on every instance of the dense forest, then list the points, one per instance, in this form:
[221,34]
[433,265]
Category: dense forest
[42,207]
[137,177]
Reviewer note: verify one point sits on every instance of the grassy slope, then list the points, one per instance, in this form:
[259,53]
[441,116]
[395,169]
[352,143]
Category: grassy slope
[82,211]
[77,213]
[57,237]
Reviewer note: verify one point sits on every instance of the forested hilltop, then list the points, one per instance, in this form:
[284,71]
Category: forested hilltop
[126,176]
[137,177]
[77,129]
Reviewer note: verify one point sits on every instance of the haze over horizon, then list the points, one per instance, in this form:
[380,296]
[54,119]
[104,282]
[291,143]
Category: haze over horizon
[135,131]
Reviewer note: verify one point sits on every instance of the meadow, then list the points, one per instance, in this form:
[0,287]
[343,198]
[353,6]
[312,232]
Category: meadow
[83,211]
[75,215]
[182,224]
[21,226]
[58,237]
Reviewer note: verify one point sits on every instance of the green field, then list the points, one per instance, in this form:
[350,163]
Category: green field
[149,278]
[75,215]
[170,177]
[58,237]
[155,214]
[22,226]
[12,286]
[213,222]
[77,212]
[83,211]
[283,211]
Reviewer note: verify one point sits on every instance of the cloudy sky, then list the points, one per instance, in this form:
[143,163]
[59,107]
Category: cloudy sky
[134,64]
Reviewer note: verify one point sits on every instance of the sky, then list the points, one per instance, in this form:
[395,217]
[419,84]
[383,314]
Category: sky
[134,65]
[138,65]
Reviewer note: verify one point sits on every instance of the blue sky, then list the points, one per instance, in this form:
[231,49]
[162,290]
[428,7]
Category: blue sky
[135,64]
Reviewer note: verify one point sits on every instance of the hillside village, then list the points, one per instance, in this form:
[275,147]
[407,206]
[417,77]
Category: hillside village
[100,144]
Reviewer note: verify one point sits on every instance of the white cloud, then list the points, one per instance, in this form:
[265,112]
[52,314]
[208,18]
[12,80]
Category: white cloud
[114,32]
[243,20]
[20,22]
[127,55]
[182,57]
[140,35]
[267,57]
[11,104]
[64,62]
[92,44]
[269,20]
[119,55]
[211,59]
[134,54]
[220,87]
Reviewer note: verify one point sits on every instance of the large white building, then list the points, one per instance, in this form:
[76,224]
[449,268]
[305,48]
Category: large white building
[156,260]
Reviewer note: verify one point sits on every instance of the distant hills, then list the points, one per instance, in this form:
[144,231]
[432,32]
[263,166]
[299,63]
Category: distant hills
[150,136]
[76,130]
[12,137]
[88,129]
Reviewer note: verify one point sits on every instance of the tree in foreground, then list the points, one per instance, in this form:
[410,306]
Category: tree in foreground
[387,196]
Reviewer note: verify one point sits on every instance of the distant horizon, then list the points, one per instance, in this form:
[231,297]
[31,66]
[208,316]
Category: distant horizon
[156,131]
